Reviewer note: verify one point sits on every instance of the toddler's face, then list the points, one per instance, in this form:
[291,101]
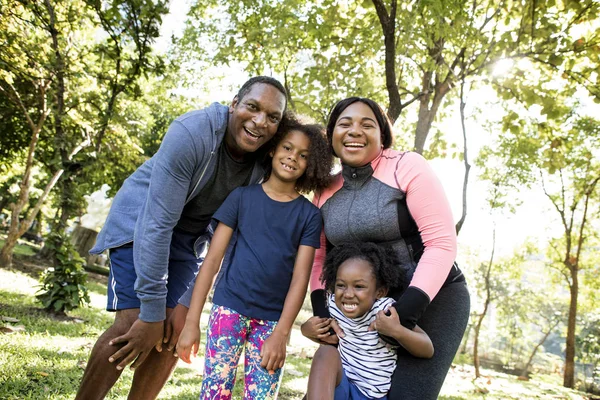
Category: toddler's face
[356,288]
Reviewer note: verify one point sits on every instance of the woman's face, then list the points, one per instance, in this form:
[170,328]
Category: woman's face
[357,136]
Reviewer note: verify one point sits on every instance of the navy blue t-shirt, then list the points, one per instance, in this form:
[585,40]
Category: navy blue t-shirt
[269,232]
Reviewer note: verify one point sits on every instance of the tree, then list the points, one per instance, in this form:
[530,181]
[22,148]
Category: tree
[397,53]
[547,315]
[555,146]
[56,71]
[490,282]
[27,86]
[419,52]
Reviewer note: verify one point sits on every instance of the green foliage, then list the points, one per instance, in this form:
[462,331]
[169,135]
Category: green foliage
[329,50]
[63,286]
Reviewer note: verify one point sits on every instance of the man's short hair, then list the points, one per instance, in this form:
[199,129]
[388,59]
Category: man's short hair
[261,79]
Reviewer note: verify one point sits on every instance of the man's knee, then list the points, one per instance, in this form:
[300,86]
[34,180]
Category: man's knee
[124,319]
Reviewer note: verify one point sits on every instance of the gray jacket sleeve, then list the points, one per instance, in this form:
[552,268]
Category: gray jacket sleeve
[172,173]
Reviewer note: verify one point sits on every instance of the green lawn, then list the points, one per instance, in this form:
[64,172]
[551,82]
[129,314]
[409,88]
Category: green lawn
[43,358]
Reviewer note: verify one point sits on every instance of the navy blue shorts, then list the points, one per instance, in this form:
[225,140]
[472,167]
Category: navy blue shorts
[347,390]
[183,266]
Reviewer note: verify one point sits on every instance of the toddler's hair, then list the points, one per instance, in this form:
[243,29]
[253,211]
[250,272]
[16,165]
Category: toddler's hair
[320,160]
[387,270]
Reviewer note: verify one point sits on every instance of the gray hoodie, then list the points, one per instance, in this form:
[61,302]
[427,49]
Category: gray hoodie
[149,204]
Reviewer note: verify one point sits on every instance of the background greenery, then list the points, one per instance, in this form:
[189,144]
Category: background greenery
[503,93]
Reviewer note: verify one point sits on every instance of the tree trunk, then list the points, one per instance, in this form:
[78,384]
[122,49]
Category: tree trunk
[476,339]
[6,254]
[535,349]
[463,217]
[466,338]
[83,239]
[426,113]
[569,376]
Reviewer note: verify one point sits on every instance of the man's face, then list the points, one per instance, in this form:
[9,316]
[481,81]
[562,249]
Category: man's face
[253,120]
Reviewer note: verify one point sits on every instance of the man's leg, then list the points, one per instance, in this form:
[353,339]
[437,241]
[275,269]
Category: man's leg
[325,373]
[100,375]
[150,377]
[154,372]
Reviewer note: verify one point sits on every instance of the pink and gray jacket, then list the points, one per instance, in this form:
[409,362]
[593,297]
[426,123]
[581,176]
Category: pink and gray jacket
[397,201]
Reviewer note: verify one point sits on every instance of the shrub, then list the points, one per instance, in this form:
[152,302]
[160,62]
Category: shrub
[63,286]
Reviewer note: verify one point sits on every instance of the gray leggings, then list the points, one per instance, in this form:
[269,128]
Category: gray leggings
[445,321]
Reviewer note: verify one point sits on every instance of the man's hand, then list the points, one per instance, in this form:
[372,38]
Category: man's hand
[317,330]
[387,325]
[188,343]
[273,351]
[139,341]
[174,325]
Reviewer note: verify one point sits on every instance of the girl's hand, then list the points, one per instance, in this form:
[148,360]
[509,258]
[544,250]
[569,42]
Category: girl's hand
[273,351]
[189,342]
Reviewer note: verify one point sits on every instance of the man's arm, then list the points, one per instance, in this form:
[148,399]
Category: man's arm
[172,175]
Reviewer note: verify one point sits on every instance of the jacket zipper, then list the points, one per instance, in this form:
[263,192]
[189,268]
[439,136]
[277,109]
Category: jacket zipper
[201,176]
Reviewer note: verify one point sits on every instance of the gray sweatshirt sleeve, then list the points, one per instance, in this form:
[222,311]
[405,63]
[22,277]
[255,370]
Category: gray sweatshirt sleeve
[171,177]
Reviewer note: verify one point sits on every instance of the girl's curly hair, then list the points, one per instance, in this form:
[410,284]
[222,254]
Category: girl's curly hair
[320,160]
[387,270]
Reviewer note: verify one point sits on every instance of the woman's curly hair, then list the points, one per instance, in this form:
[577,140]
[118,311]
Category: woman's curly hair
[320,160]
[387,270]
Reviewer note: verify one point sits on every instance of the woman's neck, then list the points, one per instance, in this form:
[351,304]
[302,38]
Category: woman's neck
[279,190]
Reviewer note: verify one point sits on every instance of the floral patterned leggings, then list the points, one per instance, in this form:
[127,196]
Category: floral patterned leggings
[228,334]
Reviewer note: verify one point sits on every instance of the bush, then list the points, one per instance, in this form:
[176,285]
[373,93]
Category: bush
[63,286]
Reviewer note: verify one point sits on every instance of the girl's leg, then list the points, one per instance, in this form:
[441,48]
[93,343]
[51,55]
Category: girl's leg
[224,343]
[325,373]
[260,384]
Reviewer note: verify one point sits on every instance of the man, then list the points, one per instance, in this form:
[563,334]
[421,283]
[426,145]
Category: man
[159,223]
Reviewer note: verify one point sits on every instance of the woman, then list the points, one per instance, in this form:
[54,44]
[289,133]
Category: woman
[393,198]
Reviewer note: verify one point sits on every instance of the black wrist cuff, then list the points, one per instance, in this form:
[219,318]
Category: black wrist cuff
[410,306]
[318,300]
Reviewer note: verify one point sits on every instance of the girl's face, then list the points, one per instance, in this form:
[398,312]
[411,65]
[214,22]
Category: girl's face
[356,288]
[357,136]
[290,157]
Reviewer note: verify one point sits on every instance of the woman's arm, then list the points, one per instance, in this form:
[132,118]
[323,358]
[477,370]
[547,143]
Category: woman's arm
[430,209]
[189,340]
[273,349]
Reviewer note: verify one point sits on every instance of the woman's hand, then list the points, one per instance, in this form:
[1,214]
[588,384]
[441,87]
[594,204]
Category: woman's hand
[387,325]
[273,351]
[188,343]
[317,329]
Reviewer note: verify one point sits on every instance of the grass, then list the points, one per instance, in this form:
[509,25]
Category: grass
[44,357]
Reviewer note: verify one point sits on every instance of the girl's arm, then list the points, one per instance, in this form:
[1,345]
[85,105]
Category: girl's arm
[273,349]
[189,340]
[415,341]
